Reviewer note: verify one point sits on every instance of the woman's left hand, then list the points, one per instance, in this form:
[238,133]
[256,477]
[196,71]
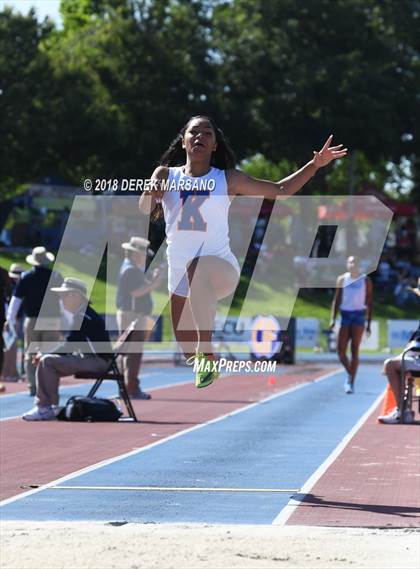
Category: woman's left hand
[328,153]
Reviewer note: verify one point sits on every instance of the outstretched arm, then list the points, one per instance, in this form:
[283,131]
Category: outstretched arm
[241,183]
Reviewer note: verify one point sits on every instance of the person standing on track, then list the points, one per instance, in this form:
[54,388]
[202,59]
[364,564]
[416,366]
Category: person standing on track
[30,291]
[353,297]
[5,290]
[201,267]
[10,371]
[134,302]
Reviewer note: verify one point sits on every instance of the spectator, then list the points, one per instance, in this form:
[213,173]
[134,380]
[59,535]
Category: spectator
[10,372]
[411,228]
[392,370]
[5,290]
[404,244]
[133,302]
[385,273]
[88,336]
[30,293]
[403,263]
[403,292]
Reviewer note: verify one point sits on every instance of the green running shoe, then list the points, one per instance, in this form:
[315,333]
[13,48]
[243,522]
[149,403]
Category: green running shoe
[205,370]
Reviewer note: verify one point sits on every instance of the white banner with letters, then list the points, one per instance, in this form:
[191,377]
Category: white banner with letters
[400,331]
[307,332]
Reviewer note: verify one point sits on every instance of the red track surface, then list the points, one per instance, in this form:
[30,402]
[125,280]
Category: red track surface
[38,453]
[373,483]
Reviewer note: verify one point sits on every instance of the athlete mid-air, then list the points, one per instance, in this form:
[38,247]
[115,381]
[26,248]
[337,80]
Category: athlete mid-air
[201,266]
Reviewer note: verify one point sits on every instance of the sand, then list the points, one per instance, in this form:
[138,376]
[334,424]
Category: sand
[83,545]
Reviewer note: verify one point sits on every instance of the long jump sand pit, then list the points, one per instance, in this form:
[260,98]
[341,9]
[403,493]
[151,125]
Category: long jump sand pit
[81,545]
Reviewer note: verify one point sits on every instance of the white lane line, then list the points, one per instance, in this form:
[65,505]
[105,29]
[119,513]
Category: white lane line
[2,419]
[150,374]
[282,518]
[173,489]
[65,387]
[22,393]
[108,461]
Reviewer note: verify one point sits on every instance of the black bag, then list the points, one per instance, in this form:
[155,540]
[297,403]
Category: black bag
[79,408]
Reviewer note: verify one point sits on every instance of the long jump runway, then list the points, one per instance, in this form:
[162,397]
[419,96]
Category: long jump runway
[247,450]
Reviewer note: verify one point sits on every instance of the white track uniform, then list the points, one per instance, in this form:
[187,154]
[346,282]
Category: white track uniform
[354,293]
[196,223]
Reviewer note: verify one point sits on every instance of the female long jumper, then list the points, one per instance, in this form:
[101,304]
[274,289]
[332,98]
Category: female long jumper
[202,268]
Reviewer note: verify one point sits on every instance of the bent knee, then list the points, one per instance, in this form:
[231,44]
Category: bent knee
[390,365]
[47,360]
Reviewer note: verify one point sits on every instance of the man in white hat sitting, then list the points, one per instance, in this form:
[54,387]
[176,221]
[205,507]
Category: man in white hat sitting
[30,292]
[134,302]
[87,349]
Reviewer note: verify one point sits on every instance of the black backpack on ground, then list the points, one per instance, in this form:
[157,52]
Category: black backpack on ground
[79,408]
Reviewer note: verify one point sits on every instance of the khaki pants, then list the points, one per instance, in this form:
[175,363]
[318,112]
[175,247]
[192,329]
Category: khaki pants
[130,363]
[53,366]
[37,337]
[10,361]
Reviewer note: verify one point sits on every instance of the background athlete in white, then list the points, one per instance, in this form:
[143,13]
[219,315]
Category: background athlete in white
[353,297]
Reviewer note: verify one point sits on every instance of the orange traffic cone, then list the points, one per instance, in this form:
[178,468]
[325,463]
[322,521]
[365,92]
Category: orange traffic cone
[389,403]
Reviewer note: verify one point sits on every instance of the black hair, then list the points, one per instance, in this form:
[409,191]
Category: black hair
[223,158]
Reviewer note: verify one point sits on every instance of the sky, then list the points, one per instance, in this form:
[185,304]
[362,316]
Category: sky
[43,7]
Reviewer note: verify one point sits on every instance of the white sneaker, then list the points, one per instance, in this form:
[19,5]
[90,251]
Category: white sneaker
[392,418]
[348,387]
[39,414]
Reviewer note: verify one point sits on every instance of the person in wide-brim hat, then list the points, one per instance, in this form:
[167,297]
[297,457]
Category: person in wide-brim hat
[138,244]
[40,257]
[71,284]
[16,270]
[416,290]
[134,303]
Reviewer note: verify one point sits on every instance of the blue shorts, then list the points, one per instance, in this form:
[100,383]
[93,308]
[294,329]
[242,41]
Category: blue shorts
[353,317]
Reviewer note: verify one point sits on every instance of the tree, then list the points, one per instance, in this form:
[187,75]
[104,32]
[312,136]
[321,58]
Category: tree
[24,80]
[292,72]
[104,95]
[134,81]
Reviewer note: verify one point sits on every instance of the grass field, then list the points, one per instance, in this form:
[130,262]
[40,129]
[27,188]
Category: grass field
[315,303]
